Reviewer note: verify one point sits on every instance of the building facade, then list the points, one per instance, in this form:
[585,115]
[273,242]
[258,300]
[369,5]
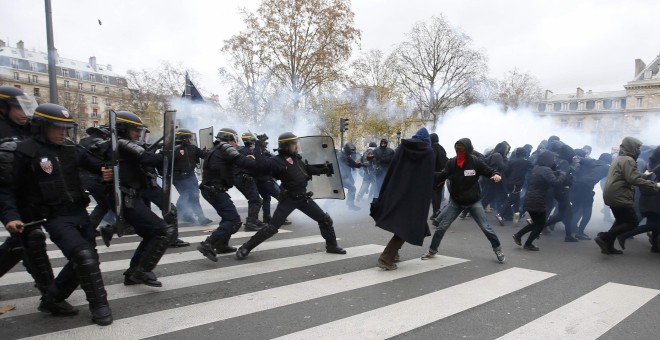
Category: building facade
[610,115]
[87,89]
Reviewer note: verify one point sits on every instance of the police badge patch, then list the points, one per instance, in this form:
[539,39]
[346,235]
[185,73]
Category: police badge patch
[182,152]
[289,160]
[46,165]
[65,114]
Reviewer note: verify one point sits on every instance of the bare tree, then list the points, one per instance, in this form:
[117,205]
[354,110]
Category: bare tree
[304,42]
[375,71]
[518,89]
[438,67]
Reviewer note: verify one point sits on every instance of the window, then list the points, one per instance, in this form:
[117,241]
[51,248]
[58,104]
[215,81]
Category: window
[80,87]
[580,124]
[581,106]
[78,75]
[94,100]
[14,62]
[95,123]
[65,72]
[37,93]
[639,102]
[66,84]
[107,90]
[638,121]
[599,105]
[35,79]
[17,76]
[92,77]
[94,88]
[67,95]
[107,101]
[81,97]
[106,80]
[95,112]
[615,104]
[33,66]
[564,123]
[548,107]
[564,106]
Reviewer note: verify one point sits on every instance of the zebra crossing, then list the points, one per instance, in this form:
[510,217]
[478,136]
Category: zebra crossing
[282,277]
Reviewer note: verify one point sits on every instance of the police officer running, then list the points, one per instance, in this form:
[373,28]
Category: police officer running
[288,167]
[46,186]
[186,159]
[244,180]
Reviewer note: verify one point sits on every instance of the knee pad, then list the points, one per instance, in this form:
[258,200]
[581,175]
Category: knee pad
[36,237]
[236,227]
[325,222]
[85,255]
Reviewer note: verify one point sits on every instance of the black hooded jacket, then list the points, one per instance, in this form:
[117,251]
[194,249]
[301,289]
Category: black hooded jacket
[464,182]
[543,178]
[518,168]
[440,153]
[383,155]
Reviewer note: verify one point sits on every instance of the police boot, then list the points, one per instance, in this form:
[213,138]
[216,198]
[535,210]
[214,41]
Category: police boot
[207,249]
[252,222]
[221,246]
[54,300]
[328,233]
[91,282]
[262,235]
[10,256]
[37,260]
[152,253]
[176,241]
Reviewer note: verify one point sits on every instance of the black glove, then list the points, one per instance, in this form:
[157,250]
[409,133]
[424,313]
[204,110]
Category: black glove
[328,169]
[130,147]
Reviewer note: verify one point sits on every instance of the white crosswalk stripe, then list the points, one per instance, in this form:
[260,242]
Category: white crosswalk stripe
[181,230]
[172,256]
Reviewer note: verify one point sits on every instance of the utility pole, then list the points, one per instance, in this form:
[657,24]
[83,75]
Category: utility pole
[52,55]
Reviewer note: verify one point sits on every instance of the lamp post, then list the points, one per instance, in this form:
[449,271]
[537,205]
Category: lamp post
[52,55]
[398,138]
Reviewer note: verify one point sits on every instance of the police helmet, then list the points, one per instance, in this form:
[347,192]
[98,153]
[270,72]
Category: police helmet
[182,134]
[248,138]
[12,96]
[101,130]
[226,135]
[127,120]
[286,139]
[52,114]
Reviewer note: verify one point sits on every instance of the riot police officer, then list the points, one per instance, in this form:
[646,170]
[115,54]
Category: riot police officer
[97,144]
[45,184]
[266,183]
[15,109]
[217,178]
[245,182]
[288,167]
[186,159]
[155,232]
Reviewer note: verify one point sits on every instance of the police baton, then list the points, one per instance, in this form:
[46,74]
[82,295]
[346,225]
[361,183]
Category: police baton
[32,224]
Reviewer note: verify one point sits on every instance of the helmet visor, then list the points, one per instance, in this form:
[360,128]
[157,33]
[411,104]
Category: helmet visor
[27,104]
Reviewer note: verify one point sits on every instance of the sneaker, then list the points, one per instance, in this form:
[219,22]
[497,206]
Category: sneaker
[517,240]
[463,215]
[386,266]
[531,247]
[582,236]
[615,251]
[602,244]
[529,221]
[500,220]
[429,255]
[570,239]
[516,218]
[500,256]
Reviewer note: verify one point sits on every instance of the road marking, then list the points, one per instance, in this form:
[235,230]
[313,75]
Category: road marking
[102,249]
[181,230]
[171,257]
[589,316]
[407,315]
[187,280]
[180,318]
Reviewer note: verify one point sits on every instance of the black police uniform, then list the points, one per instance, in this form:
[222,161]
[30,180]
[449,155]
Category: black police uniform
[294,174]
[245,182]
[47,186]
[217,178]
[97,144]
[186,159]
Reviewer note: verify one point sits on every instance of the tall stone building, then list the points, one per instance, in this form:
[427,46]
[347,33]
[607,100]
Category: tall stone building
[609,115]
[86,88]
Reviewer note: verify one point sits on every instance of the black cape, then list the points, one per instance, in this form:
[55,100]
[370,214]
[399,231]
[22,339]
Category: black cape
[405,196]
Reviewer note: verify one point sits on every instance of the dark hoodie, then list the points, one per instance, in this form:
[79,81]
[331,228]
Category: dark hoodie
[541,180]
[440,153]
[403,203]
[517,169]
[649,201]
[383,155]
[623,175]
[498,157]
[464,181]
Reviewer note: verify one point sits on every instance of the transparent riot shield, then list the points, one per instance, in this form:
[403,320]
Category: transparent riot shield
[168,157]
[205,142]
[319,150]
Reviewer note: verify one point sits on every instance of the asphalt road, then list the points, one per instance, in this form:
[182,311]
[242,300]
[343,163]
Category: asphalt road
[289,287]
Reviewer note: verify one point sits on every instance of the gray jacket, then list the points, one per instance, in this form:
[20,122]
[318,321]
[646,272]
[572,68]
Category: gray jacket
[623,175]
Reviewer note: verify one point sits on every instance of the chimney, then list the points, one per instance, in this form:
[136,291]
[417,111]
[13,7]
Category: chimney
[639,66]
[589,92]
[109,67]
[548,94]
[20,45]
[92,62]
[2,43]
[580,92]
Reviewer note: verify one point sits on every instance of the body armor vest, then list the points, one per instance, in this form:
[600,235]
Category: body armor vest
[212,177]
[131,174]
[185,158]
[295,178]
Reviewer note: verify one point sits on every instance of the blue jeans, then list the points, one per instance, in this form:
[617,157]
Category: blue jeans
[449,215]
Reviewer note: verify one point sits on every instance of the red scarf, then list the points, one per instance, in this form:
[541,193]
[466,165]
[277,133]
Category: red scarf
[460,159]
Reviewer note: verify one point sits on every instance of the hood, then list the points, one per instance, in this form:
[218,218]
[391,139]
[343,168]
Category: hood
[467,143]
[605,157]
[547,158]
[630,146]
[383,141]
[434,138]
[654,161]
[415,148]
[553,138]
[580,153]
[543,145]
[521,153]
[372,145]
[349,148]
[502,148]
[423,134]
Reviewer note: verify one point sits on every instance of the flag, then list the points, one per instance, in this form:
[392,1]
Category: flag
[191,91]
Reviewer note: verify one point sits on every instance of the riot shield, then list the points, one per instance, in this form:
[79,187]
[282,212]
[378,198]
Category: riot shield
[168,157]
[205,142]
[114,162]
[318,150]
[193,140]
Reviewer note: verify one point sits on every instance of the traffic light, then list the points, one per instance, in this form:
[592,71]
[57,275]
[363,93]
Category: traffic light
[343,124]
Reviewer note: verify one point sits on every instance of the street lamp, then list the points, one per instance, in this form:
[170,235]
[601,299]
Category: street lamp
[398,138]
[52,54]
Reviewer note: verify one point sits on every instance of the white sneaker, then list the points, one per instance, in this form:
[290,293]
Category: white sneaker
[429,255]
[516,218]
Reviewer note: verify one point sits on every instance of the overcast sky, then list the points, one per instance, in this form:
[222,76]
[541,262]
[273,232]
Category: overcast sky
[565,44]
